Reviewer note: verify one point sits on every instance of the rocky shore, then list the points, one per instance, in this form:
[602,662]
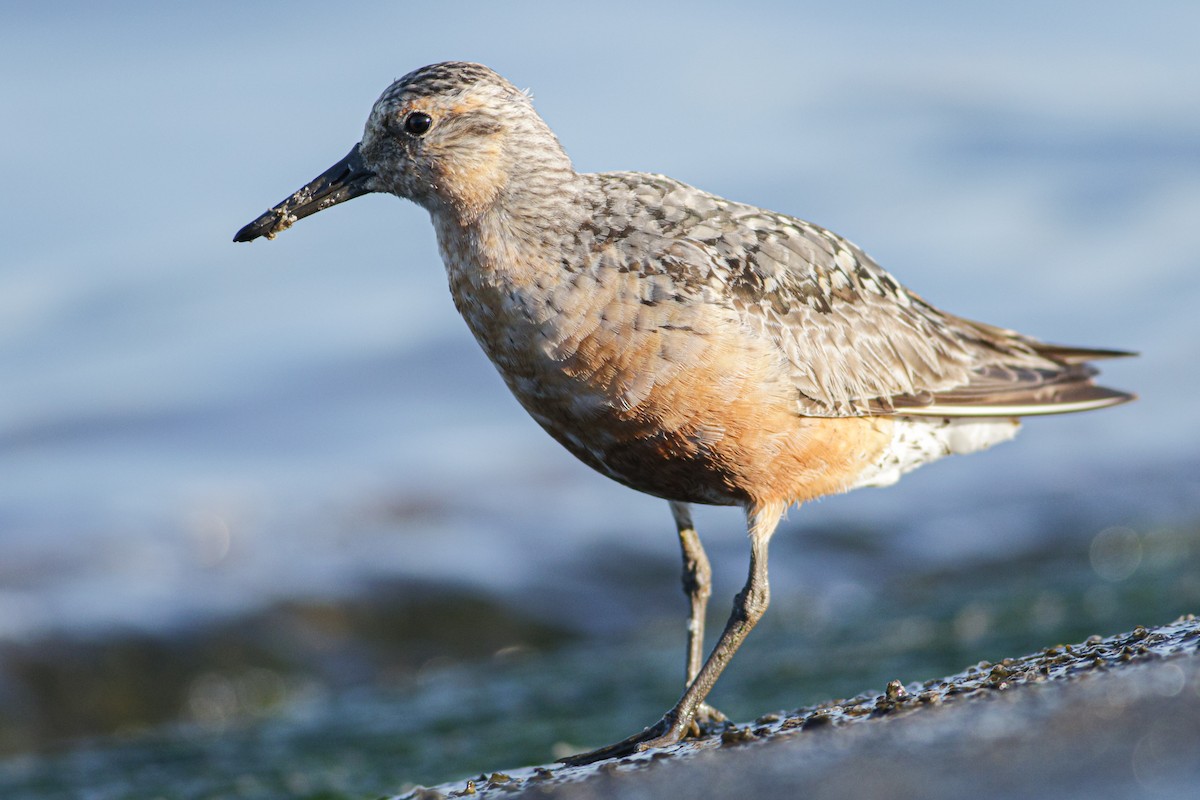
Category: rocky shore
[1108,717]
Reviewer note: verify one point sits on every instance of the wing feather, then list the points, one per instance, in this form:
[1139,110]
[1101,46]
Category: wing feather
[852,339]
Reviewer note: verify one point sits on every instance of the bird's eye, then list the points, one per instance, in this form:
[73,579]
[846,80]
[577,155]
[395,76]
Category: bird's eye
[417,123]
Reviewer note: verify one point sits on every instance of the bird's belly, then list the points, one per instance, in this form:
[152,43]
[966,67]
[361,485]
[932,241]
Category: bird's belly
[644,446]
[603,375]
[675,399]
[719,431]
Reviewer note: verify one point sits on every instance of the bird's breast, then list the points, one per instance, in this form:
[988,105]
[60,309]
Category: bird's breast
[603,372]
[663,391]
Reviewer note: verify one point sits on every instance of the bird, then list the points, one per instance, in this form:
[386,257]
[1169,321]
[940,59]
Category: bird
[694,348]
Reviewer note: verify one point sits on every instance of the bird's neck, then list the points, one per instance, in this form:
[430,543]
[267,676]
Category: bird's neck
[520,238]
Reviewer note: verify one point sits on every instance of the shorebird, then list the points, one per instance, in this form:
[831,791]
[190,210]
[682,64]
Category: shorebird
[691,347]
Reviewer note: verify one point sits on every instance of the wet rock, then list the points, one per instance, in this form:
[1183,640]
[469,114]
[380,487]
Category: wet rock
[1115,716]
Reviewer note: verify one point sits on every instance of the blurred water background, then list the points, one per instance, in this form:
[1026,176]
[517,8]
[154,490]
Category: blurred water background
[273,491]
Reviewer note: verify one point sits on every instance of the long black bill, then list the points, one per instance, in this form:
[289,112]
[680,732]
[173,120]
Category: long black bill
[346,179]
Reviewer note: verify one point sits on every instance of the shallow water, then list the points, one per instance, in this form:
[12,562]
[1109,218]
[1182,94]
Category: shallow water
[195,434]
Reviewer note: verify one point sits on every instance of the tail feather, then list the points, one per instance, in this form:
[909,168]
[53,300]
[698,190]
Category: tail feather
[1063,385]
[1078,355]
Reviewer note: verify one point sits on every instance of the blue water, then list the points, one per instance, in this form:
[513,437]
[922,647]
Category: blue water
[191,428]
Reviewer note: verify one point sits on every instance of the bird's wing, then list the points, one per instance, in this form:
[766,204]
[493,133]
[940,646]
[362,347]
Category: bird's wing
[853,340]
[858,342]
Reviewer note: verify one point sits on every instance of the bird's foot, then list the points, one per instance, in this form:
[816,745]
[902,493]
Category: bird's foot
[667,731]
[662,733]
[707,720]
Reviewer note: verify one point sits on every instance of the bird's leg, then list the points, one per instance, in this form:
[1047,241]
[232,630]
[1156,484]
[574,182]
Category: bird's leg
[697,585]
[748,608]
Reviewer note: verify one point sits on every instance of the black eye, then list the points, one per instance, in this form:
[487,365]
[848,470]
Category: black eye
[417,123]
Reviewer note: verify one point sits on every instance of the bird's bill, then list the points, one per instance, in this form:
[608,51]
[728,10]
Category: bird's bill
[345,180]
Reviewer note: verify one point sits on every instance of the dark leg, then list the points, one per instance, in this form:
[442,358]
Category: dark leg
[697,585]
[748,608]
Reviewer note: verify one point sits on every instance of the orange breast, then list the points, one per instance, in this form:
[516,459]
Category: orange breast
[673,398]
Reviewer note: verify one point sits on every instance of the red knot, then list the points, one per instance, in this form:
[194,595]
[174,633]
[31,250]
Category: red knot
[691,347]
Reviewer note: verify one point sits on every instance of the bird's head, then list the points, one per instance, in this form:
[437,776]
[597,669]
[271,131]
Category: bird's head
[455,138]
